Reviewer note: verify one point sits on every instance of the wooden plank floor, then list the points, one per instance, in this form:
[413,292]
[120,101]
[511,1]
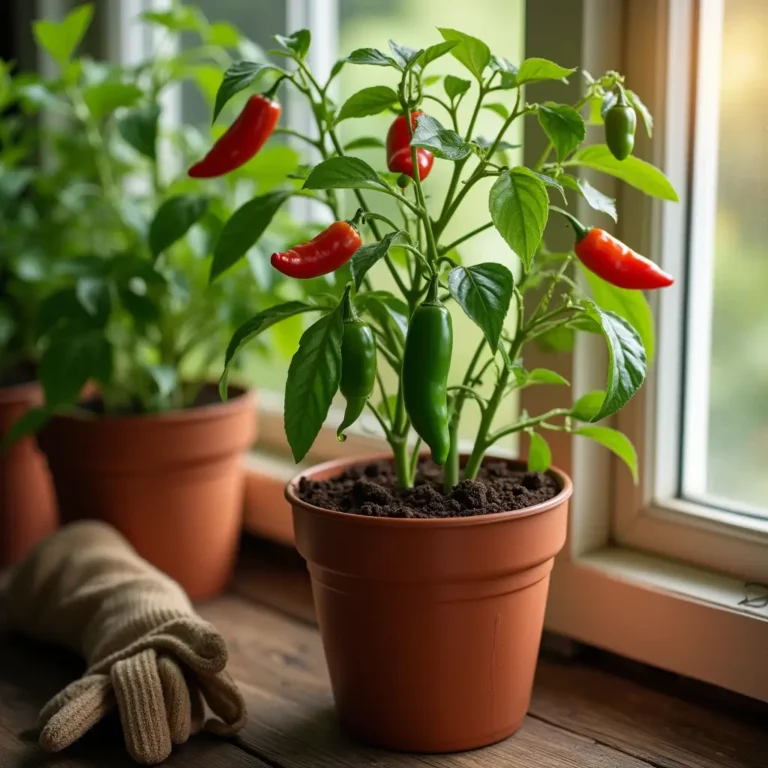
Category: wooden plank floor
[583,715]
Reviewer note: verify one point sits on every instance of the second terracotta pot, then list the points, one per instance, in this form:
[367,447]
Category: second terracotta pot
[171,483]
[27,503]
[431,628]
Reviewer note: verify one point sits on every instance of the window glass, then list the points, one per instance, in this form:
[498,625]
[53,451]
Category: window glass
[738,404]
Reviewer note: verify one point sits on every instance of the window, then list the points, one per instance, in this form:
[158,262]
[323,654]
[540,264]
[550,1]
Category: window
[703,471]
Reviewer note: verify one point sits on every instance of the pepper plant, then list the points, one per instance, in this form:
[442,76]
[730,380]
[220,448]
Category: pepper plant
[128,304]
[411,332]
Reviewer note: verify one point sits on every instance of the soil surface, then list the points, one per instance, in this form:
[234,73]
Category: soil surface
[372,490]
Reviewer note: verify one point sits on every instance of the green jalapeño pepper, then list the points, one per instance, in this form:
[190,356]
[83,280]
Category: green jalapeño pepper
[358,365]
[426,361]
[620,124]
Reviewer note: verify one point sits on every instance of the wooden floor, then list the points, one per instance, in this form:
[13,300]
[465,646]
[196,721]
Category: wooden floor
[592,712]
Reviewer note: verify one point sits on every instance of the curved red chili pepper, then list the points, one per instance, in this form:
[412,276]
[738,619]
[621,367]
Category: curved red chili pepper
[609,258]
[399,158]
[325,253]
[242,140]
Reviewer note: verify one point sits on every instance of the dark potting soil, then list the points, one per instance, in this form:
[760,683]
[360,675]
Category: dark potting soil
[372,490]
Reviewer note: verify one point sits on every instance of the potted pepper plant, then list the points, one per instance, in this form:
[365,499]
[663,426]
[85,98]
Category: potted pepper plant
[27,504]
[430,568]
[134,319]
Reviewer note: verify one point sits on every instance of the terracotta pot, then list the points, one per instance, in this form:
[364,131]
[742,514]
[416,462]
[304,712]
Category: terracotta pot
[431,628]
[27,504]
[172,483]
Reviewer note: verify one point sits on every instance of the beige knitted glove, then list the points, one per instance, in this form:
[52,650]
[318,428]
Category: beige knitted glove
[148,654]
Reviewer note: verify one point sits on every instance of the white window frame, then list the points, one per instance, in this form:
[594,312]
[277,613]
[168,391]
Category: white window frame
[604,592]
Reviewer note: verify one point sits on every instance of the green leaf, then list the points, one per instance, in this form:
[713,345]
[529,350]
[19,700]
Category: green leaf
[403,56]
[367,255]
[313,379]
[139,128]
[173,220]
[371,56]
[564,127]
[105,98]
[588,405]
[298,42]
[428,55]
[61,38]
[244,228]
[181,18]
[631,305]
[455,86]
[545,376]
[535,70]
[69,362]
[498,108]
[368,101]
[385,309]
[594,197]
[224,34]
[550,182]
[559,339]
[32,421]
[484,292]
[507,69]
[165,377]
[94,296]
[519,208]
[633,171]
[364,142]
[444,143]
[474,54]
[344,173]
[539,453]
[432,79]
[645,114]
[139,306]
[237,78]
[626,359]
[257,325]
[63,306]
[615,441]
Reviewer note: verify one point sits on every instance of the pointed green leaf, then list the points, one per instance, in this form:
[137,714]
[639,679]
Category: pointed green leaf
[173,220]
[298,42]
[633,171]
[545,376]
[237,78]
[104,98]
[368,101]
[519,208]
[344,173]
[257,325]
[139,128]
[594,197]
[645,114]
[428,55]
[615,441]
[474,54]
[403,55]
[371,56]
[313,379]
[368,255]
[535,70]
[61,38]
[244,228]
[564,127]
[32,421]
[442,142]
[539,453]
[626,359]
[588,405]
[364,142]
[484,292]
[455,86]
[498,108]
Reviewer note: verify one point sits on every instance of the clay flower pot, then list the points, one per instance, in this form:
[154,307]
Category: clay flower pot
[431,628]
[171,483]
[27,504]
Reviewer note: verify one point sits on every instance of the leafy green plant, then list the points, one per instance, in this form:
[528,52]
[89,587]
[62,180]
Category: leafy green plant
[540,290]
[130,242]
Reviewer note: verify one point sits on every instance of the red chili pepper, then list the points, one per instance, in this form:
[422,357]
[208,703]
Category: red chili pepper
[325,253]
[399,159]
[615,262]
[242,140]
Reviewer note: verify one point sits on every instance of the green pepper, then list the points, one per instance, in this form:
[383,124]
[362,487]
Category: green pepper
[620,124]
[358,365]
[426,362]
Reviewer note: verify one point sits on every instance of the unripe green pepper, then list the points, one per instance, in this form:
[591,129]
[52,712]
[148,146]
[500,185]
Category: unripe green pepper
[358,365]
[620,124]
[426,362]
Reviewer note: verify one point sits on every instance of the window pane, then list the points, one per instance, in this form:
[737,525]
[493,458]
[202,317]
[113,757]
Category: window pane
[738,407]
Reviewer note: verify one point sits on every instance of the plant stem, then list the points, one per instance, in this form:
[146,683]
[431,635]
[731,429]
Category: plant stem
[463,238]
[402,461]
[523,425]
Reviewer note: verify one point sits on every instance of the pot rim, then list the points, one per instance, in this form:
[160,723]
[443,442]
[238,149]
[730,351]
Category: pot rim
[566,489]
[242,399]
[12,394]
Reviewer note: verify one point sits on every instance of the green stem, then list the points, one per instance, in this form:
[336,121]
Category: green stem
[523,425]
[402,461]
[463,238]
